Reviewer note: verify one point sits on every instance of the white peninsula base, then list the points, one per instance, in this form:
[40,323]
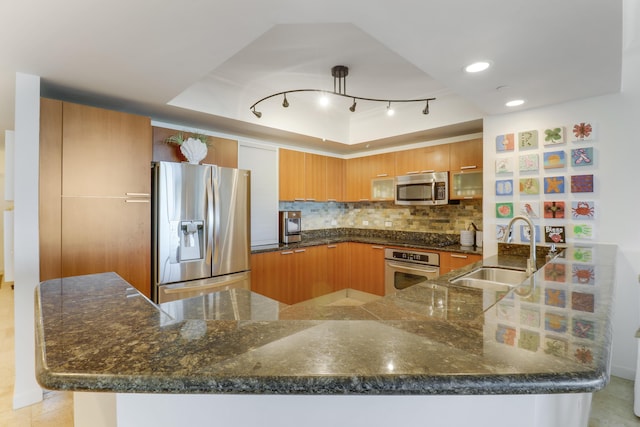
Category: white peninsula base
[169,410]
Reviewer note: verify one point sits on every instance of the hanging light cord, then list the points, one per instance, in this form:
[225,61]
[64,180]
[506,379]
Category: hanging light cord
[339,73]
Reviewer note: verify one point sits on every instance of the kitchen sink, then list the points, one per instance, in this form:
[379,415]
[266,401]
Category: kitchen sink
[491,278]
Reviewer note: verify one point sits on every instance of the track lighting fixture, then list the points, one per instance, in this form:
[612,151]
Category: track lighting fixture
[390,111]
[339,73]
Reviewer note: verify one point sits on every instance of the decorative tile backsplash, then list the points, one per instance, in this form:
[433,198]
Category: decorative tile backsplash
[448,219]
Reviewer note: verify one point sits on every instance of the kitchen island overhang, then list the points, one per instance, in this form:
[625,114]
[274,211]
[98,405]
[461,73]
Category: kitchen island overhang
[96,333]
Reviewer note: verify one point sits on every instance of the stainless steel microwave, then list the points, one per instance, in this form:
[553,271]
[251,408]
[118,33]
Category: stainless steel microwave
[422,189]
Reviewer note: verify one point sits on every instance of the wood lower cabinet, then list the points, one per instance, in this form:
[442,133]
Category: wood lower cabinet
[338,262]
[366,268]
[450,261]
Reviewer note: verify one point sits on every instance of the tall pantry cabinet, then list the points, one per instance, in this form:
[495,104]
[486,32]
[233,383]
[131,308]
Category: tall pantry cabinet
[95,187]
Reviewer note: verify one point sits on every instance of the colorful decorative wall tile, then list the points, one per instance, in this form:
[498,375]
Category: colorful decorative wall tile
[506,335]
[583,131]
[553,209]
[582,183]
[504,165]
[528,163]
[505,142]
[583,209]
[529,186]
[583,328]
[554,234]
[582,231]
[504,210]
[556,346]
[528,140]
[555,297]
[583,354]
[530,317]
[529,340]
[582,156]
[554,159]
[580,254]
[554,272]
[555,322]
[582,301]
[554,136]
[501,231]
[525,233]
[504,187]
[583,274]
[553,184]
[530,209]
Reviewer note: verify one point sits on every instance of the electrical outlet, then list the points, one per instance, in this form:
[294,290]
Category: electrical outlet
[365,222]
[388,223]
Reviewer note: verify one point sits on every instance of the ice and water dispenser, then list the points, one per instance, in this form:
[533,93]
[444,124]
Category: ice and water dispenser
[191,240]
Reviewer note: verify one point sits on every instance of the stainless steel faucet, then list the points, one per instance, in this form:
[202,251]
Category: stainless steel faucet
[531,262]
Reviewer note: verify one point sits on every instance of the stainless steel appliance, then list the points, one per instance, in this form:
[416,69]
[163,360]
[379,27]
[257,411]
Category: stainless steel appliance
[290,225]
[404,268]
[201,235]
[422,189]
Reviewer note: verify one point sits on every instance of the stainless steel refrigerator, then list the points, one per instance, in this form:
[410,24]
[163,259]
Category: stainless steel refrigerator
[201,232]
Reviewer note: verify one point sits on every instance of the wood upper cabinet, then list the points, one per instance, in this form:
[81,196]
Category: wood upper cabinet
[382,165]
[315,177]
[466,155]
[361,170]
[101,162]
[106,153]
[336,171]
[424,159]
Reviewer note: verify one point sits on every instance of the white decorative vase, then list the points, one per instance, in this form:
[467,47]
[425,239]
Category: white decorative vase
[193,150]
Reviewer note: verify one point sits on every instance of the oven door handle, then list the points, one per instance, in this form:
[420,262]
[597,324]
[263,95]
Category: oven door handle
[420,270]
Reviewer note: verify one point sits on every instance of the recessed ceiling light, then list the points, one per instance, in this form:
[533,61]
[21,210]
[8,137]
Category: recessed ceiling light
[515,103]
[476,67]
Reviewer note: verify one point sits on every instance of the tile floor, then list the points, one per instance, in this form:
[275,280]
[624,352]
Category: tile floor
[612,407]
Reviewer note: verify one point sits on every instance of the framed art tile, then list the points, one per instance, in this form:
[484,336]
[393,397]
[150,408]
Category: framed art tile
[582,156]
[583,274]
[553,184]
[554,159]
[583,328]
[583,231]
[505,335]
[555,272]
[504,210]
[528,140]
[554,135]
[529,340]
[530,317]
[582,183]
[583,131]
[506,311]
[553,209]
[583,354]
[528,162]
[554,234]
[501,231]
[504,165]
[583,209]
[529,186]
[505,142]
[582,301]
[530,209]
[504,187]
[583,254]
[525,233]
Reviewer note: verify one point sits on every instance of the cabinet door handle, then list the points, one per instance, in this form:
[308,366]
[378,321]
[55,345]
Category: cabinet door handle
[332,200]
[286,253]
[382,175]
[332,246]
[364,200]
[137,201]
[412,172]
[300,250]
[298,199]
[428,171]
[311,200]
[468,167]
[137,194]
[459,256]
[377,247]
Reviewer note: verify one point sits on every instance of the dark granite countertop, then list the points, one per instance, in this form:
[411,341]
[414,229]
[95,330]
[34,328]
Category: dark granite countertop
[551,334]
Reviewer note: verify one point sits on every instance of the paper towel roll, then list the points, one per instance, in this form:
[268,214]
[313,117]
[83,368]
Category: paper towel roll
[479,239]
[467,237]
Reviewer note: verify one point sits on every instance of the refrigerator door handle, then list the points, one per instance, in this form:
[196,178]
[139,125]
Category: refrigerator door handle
[216,215]
[211,221]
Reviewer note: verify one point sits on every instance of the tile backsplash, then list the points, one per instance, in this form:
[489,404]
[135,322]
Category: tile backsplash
[449,219]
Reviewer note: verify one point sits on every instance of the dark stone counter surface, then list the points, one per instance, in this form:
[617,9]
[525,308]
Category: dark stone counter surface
[551,334]
[426,241]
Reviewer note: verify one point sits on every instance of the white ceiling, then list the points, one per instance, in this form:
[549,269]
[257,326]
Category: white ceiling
[203,63]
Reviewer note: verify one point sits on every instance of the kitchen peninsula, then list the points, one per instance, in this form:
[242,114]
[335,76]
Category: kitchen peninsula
[452,355]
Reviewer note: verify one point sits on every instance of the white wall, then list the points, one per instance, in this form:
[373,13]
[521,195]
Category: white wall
[617,172]
[26,250]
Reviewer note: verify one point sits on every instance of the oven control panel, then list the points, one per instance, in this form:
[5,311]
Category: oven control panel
[425,258]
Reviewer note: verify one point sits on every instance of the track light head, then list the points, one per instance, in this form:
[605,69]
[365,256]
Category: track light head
[258,114]
[353,106]
[426,109]
[390,111]
[285,103]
